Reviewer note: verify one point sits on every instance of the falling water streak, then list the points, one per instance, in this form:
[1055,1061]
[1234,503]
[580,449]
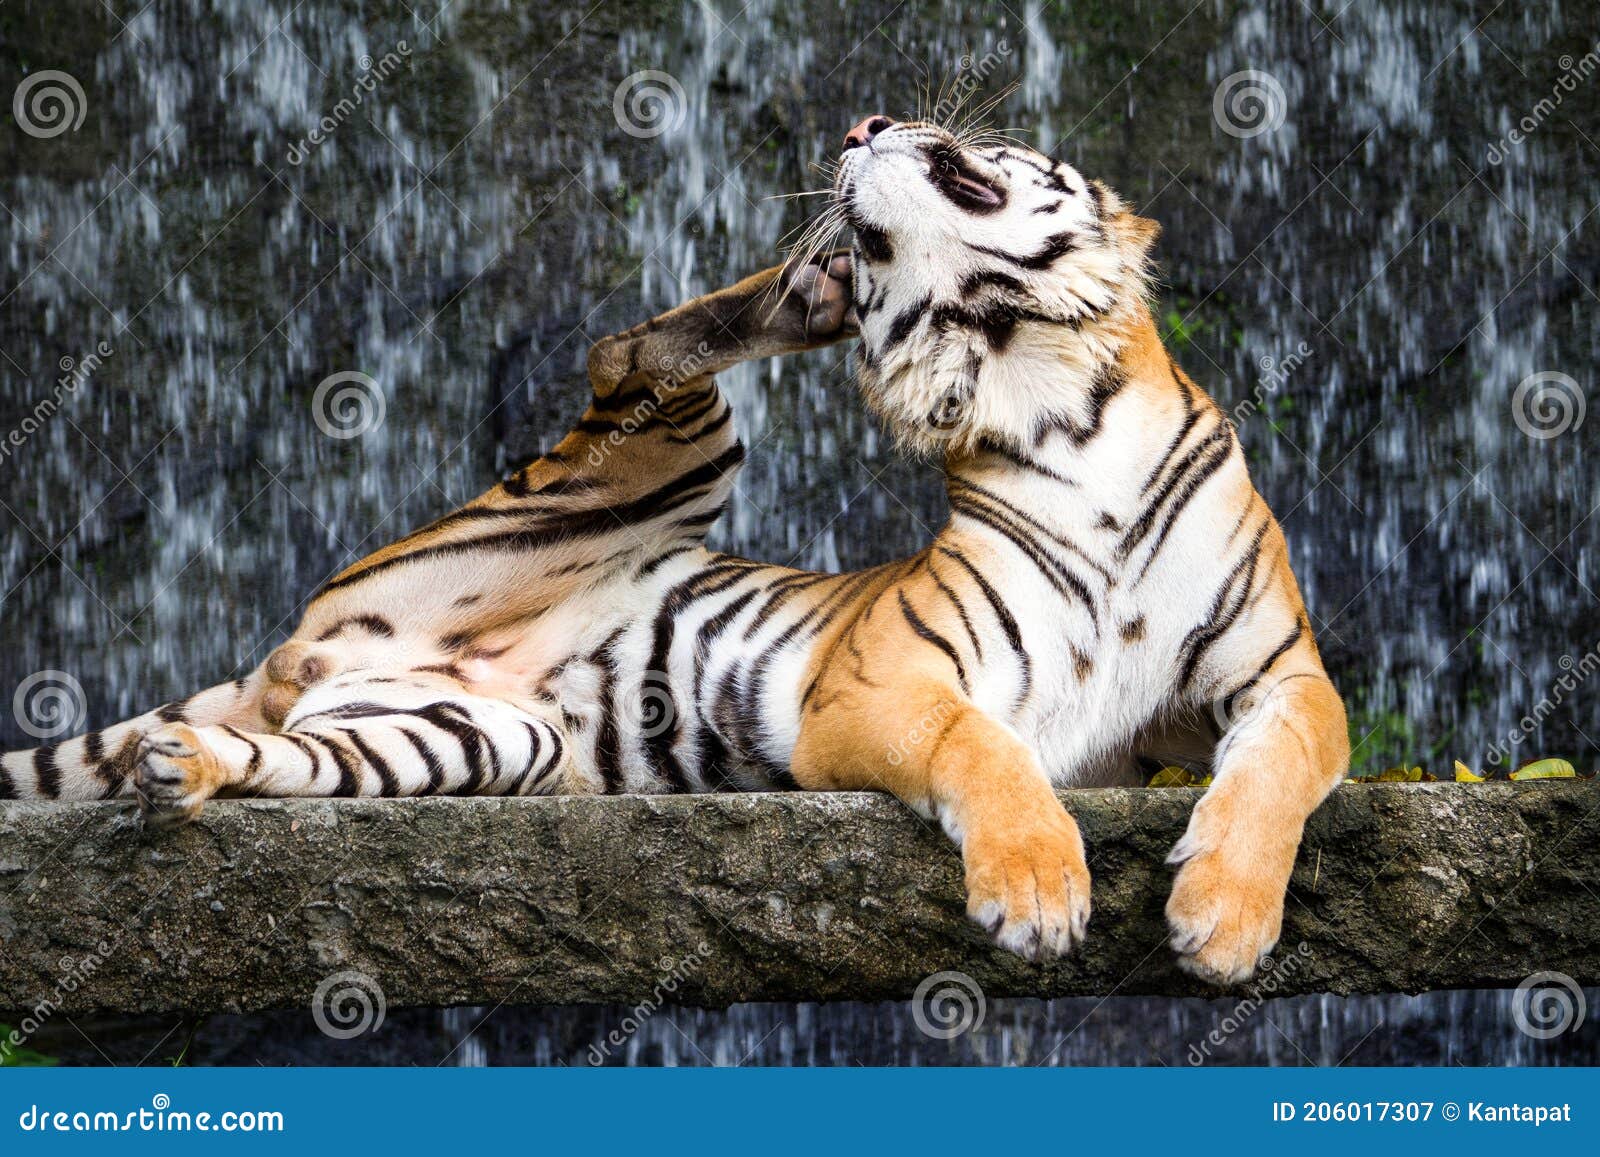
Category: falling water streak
[463,231]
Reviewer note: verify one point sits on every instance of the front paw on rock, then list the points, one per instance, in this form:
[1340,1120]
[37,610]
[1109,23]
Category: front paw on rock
[1030,890]
[1223,921]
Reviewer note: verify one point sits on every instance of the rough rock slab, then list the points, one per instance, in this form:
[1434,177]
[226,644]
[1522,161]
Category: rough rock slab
[716,899]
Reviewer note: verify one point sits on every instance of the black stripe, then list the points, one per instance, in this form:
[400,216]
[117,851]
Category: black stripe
[1202,452]
[1191,487]
[1108,382]
[708,429]
[928,634]
[1016,458]
[872,243]
[430,760]
[1191,416]
[174,712]
[390,786]
[47,772]
[961,610]
[973,282]
[310,753]
[661,748]
[449,718]
[1063,579]
[254,764]
[349,782]
[1054,248]
[564,527]
[1028,522]
[782,591]
[1225,609]
[1002,614]
[372,624]
[1277,653]
[608,742]
[904,322]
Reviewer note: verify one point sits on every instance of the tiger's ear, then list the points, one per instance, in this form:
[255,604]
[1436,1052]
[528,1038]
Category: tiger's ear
[1137,234]
[1143,231]
[1140,231]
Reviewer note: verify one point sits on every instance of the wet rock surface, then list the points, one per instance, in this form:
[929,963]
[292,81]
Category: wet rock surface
[745,898]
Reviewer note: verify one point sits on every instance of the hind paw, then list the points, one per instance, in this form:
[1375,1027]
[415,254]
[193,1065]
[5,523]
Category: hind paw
[822,290]
[176,772]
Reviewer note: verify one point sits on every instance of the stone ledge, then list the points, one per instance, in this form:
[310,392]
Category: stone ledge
[793,896]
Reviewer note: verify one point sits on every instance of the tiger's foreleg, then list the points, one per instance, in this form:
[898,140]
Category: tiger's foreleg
[1284,751]
[357,736]
[1027,880]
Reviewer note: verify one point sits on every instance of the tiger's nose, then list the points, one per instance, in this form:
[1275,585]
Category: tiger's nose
[863,133]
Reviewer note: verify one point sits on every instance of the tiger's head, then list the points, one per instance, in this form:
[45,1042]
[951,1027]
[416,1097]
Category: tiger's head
[992,283]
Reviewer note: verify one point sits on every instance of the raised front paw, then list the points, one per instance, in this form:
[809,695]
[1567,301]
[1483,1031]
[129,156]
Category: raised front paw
[174,775]
[1226,908]
[1028,886]
[821,290]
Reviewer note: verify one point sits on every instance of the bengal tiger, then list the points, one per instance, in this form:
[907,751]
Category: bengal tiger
[1109,586]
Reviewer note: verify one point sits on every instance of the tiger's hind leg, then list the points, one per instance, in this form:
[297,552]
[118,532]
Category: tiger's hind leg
[359,735]
[99,765]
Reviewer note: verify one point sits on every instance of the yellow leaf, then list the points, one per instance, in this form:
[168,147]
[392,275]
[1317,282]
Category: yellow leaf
[1179,777]
[1465,774]
[1545,769]
[1400,775]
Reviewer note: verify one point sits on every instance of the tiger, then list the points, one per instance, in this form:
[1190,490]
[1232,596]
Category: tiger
[1109,588]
